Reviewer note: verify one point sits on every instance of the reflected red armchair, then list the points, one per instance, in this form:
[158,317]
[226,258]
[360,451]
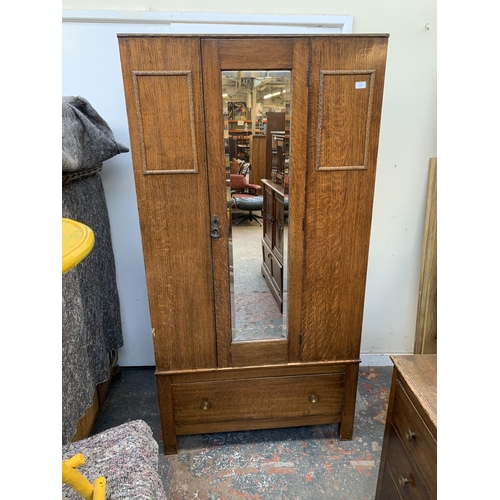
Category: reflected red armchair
[246,197]
[239,184]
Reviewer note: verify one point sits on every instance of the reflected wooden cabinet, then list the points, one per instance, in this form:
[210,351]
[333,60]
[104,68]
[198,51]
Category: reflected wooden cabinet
[274,121]
[206,381]
[258,160]
[273,240]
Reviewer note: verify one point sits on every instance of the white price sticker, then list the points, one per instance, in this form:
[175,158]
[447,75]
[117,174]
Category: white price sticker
[360,85]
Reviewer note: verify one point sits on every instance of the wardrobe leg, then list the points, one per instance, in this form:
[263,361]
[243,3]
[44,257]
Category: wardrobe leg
[163,383]
[351,388]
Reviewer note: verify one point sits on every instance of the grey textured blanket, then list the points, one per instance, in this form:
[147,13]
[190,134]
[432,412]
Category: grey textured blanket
[91,322]
[87,139]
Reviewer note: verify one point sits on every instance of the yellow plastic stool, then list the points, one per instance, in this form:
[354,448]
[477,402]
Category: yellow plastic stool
[79,483]
[77,242]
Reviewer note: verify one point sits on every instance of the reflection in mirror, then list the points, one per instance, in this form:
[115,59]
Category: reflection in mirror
[256,108]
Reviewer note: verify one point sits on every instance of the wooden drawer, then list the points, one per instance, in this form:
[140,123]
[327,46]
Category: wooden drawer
[274,271]
[388,490]
[267,256]
[279,226]
[258,398]
[416,436]
[277,272]
[267,215]
[405,476]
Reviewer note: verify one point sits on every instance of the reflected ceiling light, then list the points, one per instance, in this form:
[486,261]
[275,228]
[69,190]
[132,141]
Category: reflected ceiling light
[274,94]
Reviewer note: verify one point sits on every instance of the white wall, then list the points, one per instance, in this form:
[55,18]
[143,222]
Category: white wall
[91,68]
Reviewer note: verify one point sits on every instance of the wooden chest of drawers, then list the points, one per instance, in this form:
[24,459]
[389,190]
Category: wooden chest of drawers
[408,466]
[273,240]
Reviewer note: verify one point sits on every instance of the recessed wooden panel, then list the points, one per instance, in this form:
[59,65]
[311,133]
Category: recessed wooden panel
[165,114]
[274,351]
[345,104]
[257,53]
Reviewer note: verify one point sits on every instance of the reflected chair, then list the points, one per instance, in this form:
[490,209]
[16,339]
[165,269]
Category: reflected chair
[244,168]
[246,197]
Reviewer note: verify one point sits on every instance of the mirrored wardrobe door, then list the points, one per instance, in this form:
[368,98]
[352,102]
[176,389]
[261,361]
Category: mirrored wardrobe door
[250,115]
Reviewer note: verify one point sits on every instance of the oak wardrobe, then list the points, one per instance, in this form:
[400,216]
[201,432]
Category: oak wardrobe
[207,381]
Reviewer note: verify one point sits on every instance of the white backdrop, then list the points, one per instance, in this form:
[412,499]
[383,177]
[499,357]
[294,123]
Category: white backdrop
[91,68]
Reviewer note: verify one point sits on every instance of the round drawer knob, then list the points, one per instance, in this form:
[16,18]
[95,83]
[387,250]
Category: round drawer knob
[403,481]
[205,405]
[409,434]
[313,398]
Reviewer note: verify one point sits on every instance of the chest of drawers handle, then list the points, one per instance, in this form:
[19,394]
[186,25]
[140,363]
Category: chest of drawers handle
[205,405]
[409,434]
[313,398]
[403,481]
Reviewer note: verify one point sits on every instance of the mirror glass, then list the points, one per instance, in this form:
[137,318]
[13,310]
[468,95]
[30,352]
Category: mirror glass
[256,109]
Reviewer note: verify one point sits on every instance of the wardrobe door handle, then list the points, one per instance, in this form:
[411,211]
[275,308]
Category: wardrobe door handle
[214,228]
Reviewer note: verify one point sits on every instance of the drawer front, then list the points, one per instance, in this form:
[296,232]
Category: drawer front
[388,490]
[279,225]
[267,256]
[278,276]
[405,476]
[274,268]
[258,398]
[267,215]
[416,437]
